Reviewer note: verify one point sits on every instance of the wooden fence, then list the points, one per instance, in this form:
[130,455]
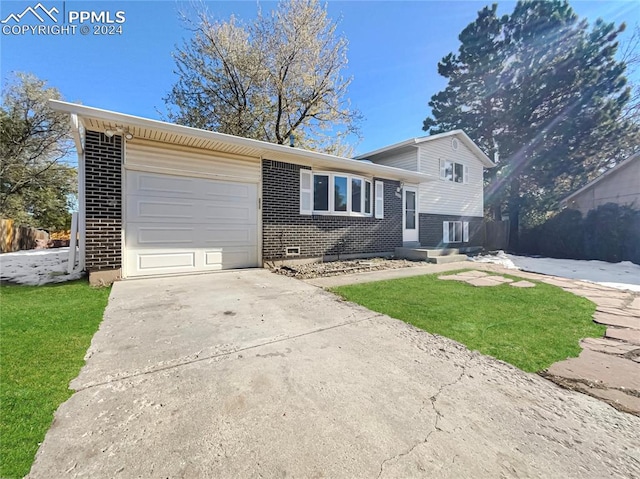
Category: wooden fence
[17,237]
[496,235]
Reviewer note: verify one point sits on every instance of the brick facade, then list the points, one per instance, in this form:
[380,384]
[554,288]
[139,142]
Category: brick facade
[431,230]
[103,202]
[321,235]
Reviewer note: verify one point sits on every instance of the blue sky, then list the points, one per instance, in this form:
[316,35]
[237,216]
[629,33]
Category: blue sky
[394,48]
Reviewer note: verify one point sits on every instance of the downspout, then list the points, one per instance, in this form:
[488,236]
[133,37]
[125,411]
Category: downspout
[82,223]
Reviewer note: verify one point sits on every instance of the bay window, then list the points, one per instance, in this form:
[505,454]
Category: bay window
[328,193]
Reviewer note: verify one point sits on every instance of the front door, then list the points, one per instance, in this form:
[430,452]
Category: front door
[410,216]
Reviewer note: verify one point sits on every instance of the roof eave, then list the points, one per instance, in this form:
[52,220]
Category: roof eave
[261,149]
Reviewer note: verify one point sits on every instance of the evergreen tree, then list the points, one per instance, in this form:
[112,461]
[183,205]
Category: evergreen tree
[543,91]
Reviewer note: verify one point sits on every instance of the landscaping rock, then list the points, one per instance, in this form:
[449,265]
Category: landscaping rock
[608,346]
[335,268]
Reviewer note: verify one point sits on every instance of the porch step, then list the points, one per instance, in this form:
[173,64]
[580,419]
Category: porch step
[437,256]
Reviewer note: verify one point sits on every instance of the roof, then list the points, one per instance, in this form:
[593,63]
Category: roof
[604,175]
[423,139]
[96,119]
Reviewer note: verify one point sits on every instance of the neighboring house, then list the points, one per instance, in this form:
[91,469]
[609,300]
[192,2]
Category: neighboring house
[157,198]
[449,211]
[620,185]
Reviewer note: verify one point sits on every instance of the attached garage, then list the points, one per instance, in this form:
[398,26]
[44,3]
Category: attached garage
[202,217]
[158,199]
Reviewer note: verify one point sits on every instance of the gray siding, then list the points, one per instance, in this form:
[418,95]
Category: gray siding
[431,230]
[621,187]
[321,235]
[406,158]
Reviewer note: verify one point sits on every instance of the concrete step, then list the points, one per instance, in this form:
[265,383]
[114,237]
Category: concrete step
[438,256]
[451,258]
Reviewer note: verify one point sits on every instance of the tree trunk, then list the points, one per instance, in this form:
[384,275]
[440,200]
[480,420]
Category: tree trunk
[514,215]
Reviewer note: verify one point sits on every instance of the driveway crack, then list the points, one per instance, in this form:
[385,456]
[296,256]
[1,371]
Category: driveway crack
[438,415]
[198,358]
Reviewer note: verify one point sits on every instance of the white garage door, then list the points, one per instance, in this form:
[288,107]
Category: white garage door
[180,224]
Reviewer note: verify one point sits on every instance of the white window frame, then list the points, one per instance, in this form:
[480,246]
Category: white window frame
[464,232]
[379,199]
[443,172]
[309,193]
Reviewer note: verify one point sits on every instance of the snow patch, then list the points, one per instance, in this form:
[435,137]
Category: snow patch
[37,267]
[624,275]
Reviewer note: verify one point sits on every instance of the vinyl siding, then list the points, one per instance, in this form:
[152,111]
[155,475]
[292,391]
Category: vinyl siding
[407,159]
[445,197]
[181,161]
[621,187]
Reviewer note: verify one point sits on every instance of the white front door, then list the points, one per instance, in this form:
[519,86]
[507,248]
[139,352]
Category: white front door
[410,214]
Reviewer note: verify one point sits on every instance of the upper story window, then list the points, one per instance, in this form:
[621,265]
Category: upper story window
[329,193]
[455,172]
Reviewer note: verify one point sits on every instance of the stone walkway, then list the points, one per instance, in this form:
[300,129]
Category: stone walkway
[608,368]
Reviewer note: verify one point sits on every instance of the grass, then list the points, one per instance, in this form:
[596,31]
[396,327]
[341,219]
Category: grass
[44,334]
[530,328]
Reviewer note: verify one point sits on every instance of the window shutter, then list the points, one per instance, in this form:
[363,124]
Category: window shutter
[465,175]
[442,170]
[465,232]
[306,192]
[379,199]
[445,232]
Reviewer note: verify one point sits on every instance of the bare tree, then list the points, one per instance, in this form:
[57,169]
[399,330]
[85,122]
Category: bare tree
[275,79]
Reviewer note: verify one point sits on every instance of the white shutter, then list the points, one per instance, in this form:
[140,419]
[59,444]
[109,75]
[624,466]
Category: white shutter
[379,199]
[465,231]
[443,168]
[306,192]
[465,175]
[445,232]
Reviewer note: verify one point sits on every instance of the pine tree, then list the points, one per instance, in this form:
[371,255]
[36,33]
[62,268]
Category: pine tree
[541,89]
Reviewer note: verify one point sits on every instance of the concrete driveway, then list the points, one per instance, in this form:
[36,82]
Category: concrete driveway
[250,374]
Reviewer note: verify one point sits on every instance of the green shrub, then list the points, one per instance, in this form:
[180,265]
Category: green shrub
[609,233]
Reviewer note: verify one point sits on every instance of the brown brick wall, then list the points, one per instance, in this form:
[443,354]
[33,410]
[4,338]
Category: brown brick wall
[320,235]
[103,201]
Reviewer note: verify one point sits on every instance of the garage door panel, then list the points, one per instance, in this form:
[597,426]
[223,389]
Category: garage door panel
[151,184]
[229,213]
[163,235]
[155,261]
[225,235]
[169,230]
[228,191]
[155,210]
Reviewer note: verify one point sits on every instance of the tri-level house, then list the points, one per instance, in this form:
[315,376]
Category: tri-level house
[157,198]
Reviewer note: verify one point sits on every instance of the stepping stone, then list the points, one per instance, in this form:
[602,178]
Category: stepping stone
[624,334]
[609,346]
[612,396]
[473,274]
[635,304]
[630,322]
[489,281]
[453,277]
[618,312]
[523,284]
[599,368]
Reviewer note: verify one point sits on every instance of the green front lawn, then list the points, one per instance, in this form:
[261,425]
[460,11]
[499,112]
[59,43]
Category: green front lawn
[530,328]
[44,334]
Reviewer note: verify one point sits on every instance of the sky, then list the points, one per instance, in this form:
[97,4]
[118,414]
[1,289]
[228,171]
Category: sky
[394,49]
